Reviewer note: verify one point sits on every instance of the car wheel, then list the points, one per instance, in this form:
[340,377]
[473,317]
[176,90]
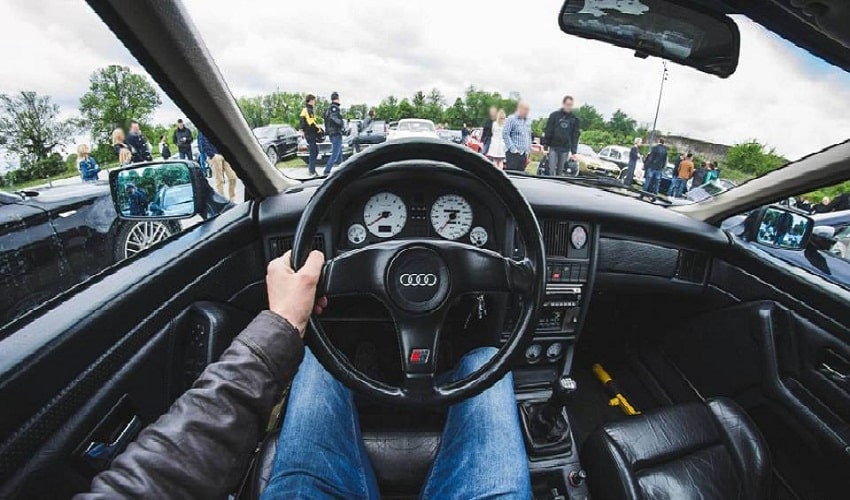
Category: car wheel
[134,237]
[272,154]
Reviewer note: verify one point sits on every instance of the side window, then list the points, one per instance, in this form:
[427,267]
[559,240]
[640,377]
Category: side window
[827,251]
[58,222]
[604,152]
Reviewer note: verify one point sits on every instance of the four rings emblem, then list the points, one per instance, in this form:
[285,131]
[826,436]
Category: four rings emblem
[417,279]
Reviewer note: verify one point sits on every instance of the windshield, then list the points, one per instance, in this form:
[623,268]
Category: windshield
[415,126]
[265,132]
[585,150]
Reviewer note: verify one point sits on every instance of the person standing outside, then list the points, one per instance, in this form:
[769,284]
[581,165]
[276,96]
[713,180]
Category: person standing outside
[310,128]
[183,139]
[517,137]
[138,144]
[634,156]
[164,150]
[699,175]
[497,144]
[220,169]
[202,157]
[87,164]
[656,160]
[684,174]
[561,135]
[487,133]
[334,126]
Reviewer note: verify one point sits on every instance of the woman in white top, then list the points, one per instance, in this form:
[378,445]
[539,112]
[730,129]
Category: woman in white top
[497,144]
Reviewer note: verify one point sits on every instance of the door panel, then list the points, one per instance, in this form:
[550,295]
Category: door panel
[124,335]
[783,354]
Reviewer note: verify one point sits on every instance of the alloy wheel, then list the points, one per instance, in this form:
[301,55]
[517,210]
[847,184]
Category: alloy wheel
[144,235]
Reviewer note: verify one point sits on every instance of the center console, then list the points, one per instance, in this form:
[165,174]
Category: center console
[542,375]
[570,265]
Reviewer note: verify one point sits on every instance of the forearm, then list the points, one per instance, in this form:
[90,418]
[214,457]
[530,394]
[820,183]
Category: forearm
[201,446]
[506,136]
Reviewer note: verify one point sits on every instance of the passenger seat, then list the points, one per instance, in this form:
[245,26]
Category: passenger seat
[700,451]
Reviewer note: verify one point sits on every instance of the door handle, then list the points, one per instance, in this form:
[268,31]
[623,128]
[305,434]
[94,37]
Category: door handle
[100,454]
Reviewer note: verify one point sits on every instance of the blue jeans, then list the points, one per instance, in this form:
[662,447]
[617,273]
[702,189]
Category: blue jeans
[336,152]
[186,155]
[652,180]
[312,155]
[486,148]
[677,186]
[321,453]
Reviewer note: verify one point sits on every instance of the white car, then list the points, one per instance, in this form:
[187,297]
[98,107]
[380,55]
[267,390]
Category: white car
[620,156]
[413,127]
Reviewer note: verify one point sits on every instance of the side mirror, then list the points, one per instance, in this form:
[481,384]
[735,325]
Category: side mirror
[779,227]
[827,232]
[159,190]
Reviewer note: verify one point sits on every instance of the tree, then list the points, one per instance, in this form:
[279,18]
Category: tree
[253,111]
[753,158]
[434,104]
[30,127]
[591,119]
[455,115]
[406,109]
[388,109]
[621,124]
[117,96]
[356,112]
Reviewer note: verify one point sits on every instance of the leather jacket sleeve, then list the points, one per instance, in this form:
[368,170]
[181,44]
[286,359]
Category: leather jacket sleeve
[201,447]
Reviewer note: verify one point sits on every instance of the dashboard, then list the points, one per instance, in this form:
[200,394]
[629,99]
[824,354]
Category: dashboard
[586,232]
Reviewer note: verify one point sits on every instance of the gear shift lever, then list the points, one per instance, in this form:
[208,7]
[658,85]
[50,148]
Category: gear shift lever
[546,427]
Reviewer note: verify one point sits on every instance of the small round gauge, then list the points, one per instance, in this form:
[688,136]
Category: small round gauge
[478,236]
[385,214]
[356,234]
[578,237]
[451,216]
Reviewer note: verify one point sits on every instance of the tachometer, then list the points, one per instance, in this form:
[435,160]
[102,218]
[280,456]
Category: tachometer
[451,216]
[385,214]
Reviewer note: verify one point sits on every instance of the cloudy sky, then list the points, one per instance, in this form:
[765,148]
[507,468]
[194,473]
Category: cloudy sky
[369,49]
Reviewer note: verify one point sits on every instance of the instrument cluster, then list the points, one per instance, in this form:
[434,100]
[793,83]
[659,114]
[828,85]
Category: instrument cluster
[394,214]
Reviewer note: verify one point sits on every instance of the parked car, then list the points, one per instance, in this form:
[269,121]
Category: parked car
[838,224]
[619,155]
[413,127]
[280,142]
[450,135]
[375,134]
[702,192]
[325,146]
[589,163]
[53,238]
[473,140]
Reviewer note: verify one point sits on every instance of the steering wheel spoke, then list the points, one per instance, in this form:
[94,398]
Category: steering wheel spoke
[479,270]
[358,272]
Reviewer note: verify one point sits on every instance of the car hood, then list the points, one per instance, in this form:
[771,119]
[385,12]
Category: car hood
[597,163]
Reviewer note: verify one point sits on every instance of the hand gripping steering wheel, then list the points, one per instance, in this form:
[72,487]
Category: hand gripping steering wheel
[419,279]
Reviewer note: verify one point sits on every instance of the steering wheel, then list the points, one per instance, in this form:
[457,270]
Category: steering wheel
[419,279]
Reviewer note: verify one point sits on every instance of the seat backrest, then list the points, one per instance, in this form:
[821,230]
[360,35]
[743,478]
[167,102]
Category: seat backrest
[706,450]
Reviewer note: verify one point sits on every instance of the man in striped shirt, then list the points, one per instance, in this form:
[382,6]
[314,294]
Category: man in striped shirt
[517,136]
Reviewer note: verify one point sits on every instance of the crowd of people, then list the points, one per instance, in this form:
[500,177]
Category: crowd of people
[134,147]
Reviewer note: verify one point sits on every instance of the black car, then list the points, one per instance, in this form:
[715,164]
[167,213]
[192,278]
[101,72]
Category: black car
[54,238]
[376,133]
[280,142]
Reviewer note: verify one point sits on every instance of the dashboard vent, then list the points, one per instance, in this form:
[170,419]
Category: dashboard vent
[279,245]
[692,266]
[556,237]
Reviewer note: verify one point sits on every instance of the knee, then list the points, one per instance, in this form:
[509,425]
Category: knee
[475,359]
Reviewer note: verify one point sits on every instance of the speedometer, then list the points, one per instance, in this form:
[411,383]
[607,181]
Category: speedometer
[385,214]
[451,216]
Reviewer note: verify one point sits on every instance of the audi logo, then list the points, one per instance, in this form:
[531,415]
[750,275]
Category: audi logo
[417,279]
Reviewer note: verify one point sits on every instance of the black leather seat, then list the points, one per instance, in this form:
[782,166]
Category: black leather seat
[401,461]
[691,451]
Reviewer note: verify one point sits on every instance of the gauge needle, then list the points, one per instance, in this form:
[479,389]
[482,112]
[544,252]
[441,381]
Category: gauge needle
[380,217]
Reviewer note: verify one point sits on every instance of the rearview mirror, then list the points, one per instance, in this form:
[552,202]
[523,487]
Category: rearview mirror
[159,190]
[780,228]
[681,31]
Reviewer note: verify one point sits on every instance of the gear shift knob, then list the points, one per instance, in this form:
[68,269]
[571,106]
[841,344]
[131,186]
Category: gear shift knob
[562,390]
